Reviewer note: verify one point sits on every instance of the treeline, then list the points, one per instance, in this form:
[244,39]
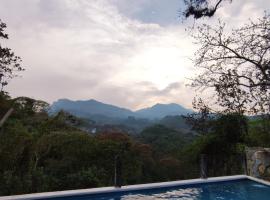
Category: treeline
[41,153]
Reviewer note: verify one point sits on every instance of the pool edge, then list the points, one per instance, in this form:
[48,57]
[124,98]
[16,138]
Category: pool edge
[128,188]
[256,180]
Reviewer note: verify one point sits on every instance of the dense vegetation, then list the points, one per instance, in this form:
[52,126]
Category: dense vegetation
[39,152]
[43,153]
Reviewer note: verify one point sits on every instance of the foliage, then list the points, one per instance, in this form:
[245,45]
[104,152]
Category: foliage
[259,132]
[164,140]
[201,120]
[201,8]
[224,145]
[10,64]
[41,153]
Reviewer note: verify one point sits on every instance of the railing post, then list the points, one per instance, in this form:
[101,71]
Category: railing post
[203,166]
[244,161]
[117,171]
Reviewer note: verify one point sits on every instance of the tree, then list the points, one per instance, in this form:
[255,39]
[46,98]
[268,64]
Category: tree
[236,65]
[201,120]
[10,64]
[164,140]
[30,106]
[201,8]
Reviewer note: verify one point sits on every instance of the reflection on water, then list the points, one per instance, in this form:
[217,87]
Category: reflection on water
[185,194]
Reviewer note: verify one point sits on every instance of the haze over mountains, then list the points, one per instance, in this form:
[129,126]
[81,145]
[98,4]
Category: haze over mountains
[92,108]
[99,116]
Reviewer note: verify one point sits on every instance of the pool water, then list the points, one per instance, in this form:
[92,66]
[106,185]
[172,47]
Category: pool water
[230,190]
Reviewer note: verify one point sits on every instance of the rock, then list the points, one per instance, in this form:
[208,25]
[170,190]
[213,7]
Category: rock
[258,162]
[261,169]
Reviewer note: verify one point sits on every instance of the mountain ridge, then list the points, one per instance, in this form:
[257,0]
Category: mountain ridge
[88,108]
[161,110]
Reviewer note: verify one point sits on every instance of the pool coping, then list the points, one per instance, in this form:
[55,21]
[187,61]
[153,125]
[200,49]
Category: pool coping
[105,190]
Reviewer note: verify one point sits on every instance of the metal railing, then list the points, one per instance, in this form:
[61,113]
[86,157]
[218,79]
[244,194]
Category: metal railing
[206,166]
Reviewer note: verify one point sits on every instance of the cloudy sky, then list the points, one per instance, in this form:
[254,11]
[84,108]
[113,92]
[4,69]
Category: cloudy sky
[130,53]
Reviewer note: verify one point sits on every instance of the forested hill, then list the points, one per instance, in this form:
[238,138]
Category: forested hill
[41,152]
[106,116]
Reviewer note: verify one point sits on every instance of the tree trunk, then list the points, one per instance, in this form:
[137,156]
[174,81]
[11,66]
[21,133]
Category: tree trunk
[6,116]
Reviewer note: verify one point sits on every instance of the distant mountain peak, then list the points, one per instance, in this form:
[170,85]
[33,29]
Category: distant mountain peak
[92,100]
[166,104]
[159,110]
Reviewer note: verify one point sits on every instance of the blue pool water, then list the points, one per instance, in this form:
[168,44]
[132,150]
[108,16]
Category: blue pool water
[230,190]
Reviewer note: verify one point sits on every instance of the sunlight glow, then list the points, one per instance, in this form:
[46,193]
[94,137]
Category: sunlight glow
[158,65]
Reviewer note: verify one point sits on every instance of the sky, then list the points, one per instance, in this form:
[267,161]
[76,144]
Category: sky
[127,53]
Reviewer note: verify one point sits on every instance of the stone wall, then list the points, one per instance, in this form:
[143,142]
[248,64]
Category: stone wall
[258,162]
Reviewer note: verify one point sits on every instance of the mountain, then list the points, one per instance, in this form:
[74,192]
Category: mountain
[90,108]
[159,111]
[107,113]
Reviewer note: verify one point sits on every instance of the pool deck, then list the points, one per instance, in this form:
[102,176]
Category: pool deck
[104,190]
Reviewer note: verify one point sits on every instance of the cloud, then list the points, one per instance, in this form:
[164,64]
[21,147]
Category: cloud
[112,51]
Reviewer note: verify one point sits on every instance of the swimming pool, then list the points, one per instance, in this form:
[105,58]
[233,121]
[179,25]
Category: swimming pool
[222,188]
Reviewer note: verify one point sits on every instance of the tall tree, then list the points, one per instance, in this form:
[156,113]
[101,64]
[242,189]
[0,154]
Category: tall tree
[10,64]
[236,65]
